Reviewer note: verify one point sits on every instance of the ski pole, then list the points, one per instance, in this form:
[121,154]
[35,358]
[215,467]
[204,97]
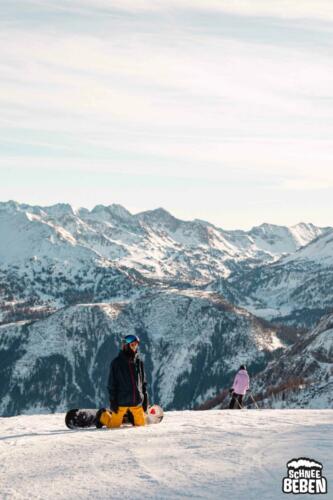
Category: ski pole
[240,406]
[254,400]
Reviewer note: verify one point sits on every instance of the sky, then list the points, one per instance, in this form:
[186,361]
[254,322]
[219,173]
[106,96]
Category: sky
[213,109]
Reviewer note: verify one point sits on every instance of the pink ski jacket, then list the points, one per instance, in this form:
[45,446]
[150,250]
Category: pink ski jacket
[241,382]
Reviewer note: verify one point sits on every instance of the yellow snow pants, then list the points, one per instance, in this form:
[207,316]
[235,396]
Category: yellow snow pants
[112,420]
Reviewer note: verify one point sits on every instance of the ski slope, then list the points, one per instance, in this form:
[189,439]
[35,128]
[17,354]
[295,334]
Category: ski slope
[199,455]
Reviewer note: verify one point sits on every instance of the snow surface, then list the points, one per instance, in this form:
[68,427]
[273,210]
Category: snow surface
[202,455]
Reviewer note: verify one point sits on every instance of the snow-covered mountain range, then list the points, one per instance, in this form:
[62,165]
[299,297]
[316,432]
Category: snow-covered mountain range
[296,290]
[153,242]
[73,282]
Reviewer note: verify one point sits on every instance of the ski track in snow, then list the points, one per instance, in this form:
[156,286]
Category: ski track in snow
[200,455]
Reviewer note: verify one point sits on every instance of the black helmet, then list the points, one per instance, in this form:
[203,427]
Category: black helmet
[242,367]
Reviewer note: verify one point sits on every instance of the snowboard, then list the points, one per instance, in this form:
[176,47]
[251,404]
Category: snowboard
[84,418]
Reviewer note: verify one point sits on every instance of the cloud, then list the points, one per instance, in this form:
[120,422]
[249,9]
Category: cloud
[321,9]
[309,183]
[161,84]
[214,89]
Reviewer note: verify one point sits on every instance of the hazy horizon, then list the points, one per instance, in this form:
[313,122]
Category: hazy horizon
[152,209]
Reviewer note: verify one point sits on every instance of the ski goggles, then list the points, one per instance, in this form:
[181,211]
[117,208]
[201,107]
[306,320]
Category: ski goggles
[129,339]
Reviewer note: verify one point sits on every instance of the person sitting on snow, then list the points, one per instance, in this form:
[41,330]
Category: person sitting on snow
[127,387]
[239,387]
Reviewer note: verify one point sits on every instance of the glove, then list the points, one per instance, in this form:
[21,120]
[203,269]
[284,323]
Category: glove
[114,406]
[231,391]
[145,402]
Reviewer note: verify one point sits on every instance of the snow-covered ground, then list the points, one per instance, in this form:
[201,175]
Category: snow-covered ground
[211,454]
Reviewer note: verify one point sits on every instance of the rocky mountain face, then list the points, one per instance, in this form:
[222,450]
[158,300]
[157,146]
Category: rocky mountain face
[74,282]
[192,342]
[302,376]
[297,290]
[41,287]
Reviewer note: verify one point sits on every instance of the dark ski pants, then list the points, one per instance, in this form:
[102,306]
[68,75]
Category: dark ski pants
[236,400]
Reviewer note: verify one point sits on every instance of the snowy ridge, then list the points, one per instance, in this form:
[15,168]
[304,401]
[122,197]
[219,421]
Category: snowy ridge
[297,290]
[281,240]
[318,251]
[154,242]
[308,366]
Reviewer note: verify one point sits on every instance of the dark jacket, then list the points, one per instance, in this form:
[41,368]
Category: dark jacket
[127,380]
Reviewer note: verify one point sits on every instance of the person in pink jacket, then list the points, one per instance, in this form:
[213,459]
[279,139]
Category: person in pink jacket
[239,387]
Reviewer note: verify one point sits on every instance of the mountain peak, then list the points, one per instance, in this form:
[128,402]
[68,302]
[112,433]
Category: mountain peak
[157,212]
[266,226]
[303,224]
[157,215]
[59,209]
[110,211]
[9,206]
[119,211]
